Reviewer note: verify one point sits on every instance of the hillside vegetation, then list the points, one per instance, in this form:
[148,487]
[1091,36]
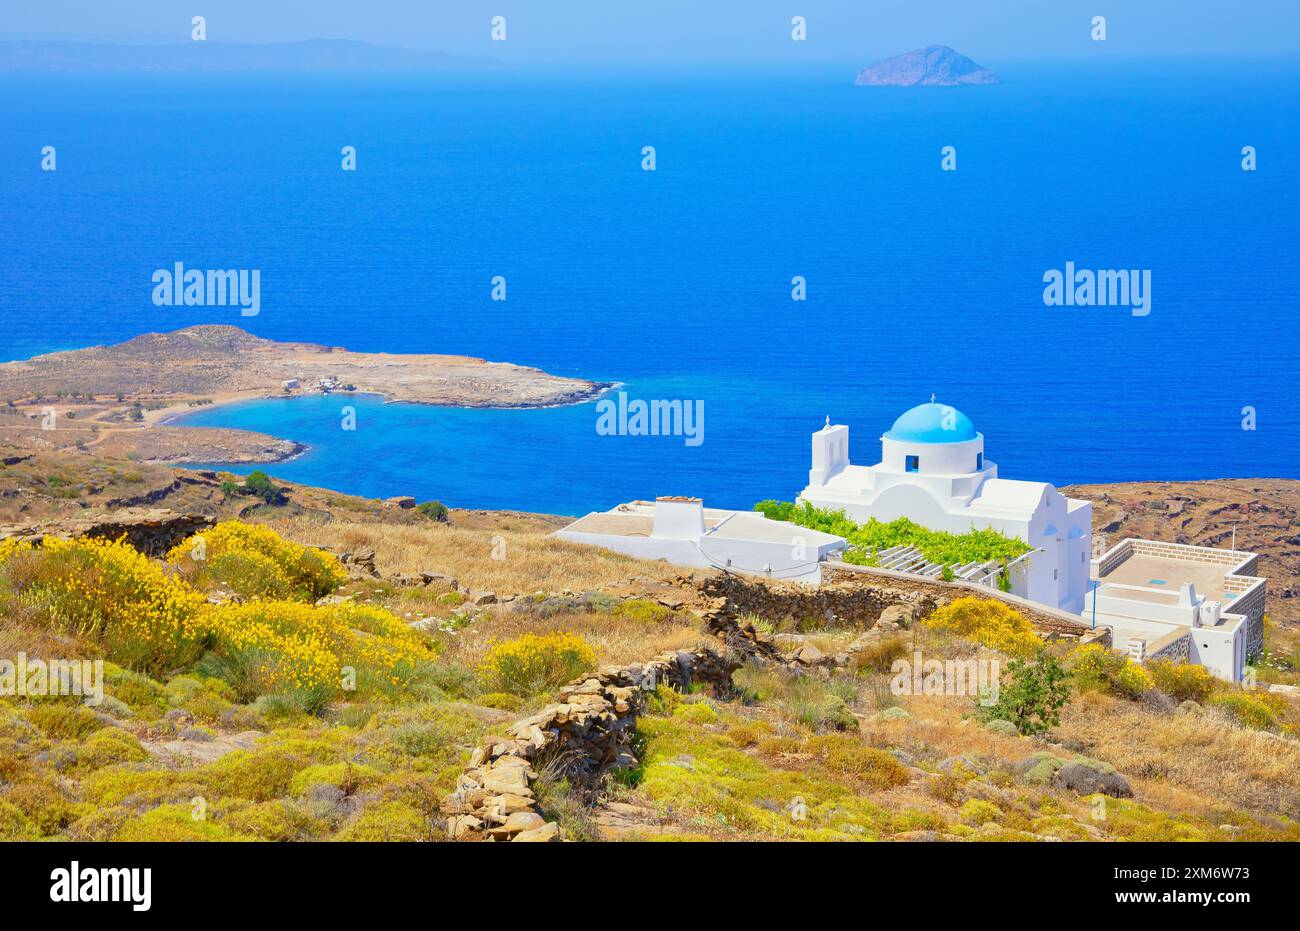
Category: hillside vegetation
[255,690]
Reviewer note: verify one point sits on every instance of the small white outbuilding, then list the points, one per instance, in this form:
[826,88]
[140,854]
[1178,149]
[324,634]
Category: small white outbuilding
[684,532]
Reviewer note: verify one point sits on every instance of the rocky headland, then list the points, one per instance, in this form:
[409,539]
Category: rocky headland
[120,398]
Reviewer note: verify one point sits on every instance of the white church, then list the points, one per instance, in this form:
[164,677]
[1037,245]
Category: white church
[932,470]
[1158,600]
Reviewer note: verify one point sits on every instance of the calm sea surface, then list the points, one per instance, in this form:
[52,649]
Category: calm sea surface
[677,282]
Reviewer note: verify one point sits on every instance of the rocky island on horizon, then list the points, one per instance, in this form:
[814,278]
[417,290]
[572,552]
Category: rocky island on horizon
[933,66]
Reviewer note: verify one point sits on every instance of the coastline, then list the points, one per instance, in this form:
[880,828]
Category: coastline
[173,417]
[131,399]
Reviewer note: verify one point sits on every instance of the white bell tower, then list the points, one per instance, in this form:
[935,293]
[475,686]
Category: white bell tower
[830,452]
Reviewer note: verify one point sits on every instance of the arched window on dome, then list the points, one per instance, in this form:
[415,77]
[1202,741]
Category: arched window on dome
[914,463]
[979,461]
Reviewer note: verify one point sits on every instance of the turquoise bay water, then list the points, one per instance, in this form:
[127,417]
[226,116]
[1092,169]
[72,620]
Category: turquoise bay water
[676,283]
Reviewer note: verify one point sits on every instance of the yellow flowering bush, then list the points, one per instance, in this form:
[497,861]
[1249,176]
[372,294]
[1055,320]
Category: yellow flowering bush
[1095,667]
[11,545]
[257,562]
[1133,680]
[534,663]
[109,591]
[992,623]
[264,647]
[1183,681]
[1258,710]
[1092,666]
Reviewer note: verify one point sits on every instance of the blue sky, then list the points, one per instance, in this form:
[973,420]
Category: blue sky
[679,31]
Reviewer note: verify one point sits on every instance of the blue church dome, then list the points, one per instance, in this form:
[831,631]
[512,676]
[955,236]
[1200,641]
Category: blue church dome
[932,423]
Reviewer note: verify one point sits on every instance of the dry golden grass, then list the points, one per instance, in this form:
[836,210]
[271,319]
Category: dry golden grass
[1201,756]
[529,561]
[41,643]
[616,639]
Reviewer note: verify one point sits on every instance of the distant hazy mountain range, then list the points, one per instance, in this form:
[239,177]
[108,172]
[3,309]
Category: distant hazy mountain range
[935,66]
[312,55]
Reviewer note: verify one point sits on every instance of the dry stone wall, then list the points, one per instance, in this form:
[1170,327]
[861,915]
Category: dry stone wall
[584,734]
[843,601]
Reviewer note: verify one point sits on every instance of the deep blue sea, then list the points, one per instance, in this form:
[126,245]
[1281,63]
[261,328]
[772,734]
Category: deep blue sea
[677,282]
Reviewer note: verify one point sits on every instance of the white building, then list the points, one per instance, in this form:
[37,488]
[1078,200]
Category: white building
[1190,603]
[684,532]
[932,471]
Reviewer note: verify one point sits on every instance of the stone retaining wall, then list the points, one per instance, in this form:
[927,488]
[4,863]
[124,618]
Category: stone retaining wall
[584,734]
[856,596]
[841,601]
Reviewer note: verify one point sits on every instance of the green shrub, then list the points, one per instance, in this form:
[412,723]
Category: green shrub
[141,694]
[168,823]
[1031,695]
[107,746]
[60,720]
[976,811]
[696,713]
[389,821]
[14,825]
[277,820]
[258,483]
[1094,667]
[346,776]
[642,609]
[434,510]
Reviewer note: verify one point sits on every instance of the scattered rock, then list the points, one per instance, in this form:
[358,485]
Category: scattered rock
[897,616]
[458,826]
[809,655]
[547,832]
[917,836]
[360,563]
[518,822]
[1090,779]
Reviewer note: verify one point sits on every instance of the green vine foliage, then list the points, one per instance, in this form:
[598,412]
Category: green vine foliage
[869,539]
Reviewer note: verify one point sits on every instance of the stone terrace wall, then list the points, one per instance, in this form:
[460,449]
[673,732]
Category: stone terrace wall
[1047,620]
[584,734]
[842,600]
[856,596]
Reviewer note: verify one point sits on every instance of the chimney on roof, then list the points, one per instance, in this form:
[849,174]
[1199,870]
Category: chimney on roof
[678,518]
